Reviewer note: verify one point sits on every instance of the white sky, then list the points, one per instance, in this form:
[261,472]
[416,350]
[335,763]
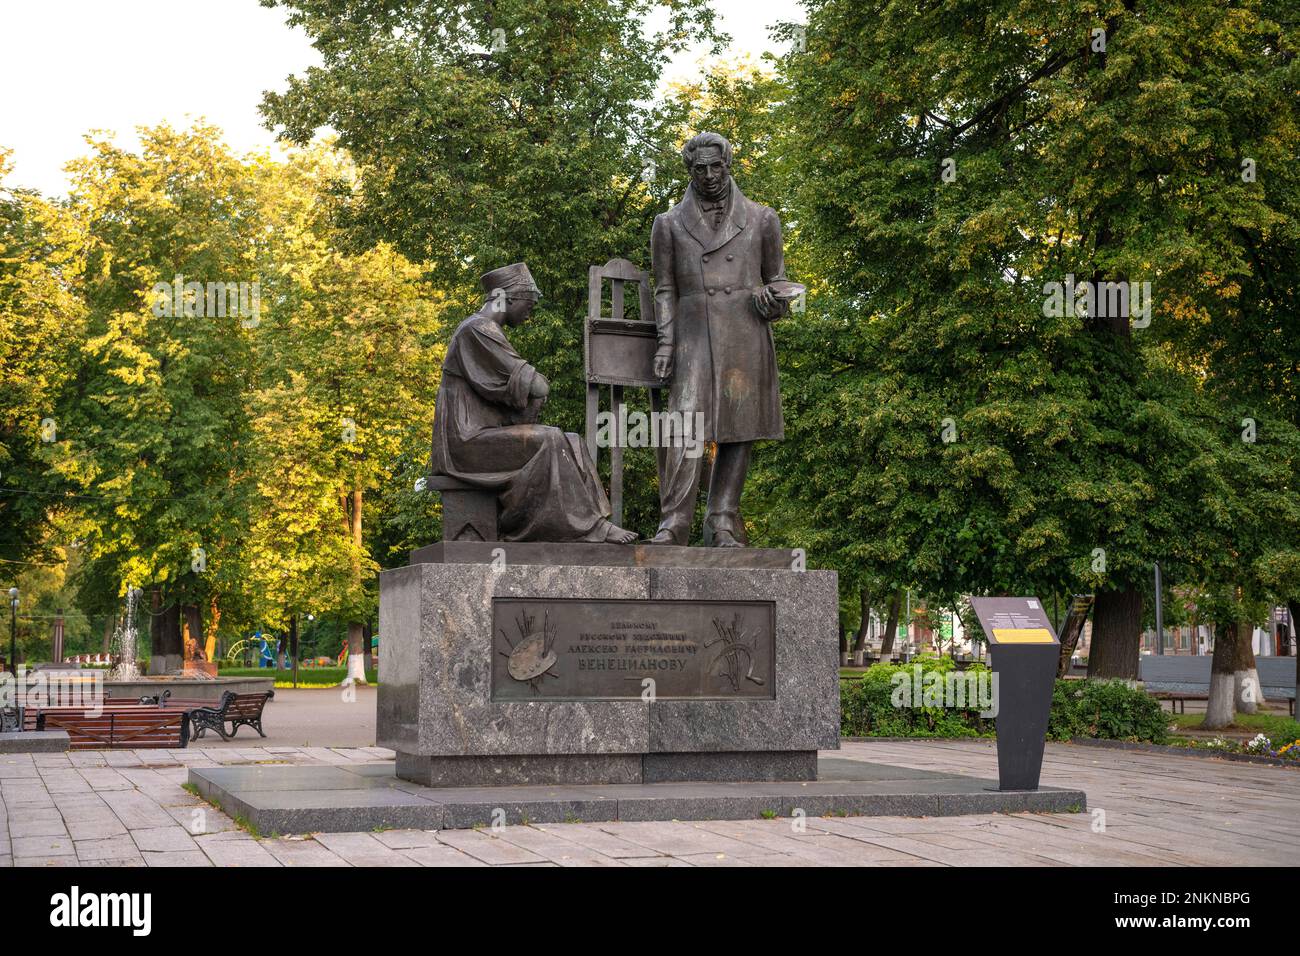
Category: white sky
[70,66]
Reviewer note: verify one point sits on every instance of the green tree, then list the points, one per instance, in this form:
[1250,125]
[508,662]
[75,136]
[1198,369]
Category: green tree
[989,439]
[42,323]
[154,429]
[494,131]
[347,369]
[1241,331]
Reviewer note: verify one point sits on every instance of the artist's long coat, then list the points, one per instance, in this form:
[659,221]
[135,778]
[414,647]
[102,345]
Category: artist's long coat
[723,356]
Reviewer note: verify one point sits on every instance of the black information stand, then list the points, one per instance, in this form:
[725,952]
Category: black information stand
[1024,652]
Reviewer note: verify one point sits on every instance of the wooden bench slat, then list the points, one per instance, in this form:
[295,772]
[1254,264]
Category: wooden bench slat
[128,728]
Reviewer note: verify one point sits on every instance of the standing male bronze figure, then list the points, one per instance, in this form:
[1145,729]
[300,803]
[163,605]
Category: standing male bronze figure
[719,270]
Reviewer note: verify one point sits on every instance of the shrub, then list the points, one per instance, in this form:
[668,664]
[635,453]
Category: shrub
[315,676]
[867,704]
[1065,721]
[1106,710]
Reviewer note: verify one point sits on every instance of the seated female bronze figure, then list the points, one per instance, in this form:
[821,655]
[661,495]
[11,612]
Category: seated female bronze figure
[486,431]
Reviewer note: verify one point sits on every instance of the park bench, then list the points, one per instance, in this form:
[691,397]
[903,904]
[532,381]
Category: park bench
[122,726]
[1178,679]
[32,714]
[234,709]
[1177,699]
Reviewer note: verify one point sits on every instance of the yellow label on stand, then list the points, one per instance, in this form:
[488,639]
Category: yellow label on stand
[1022,635]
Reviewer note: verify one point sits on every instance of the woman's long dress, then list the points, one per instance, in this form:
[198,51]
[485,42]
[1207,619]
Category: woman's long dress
[485,434]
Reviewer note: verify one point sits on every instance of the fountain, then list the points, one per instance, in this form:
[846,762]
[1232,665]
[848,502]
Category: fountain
[124,680]
[125,638]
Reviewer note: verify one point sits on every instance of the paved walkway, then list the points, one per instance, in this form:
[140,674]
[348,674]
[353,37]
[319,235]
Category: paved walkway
[128,808]
[310,717]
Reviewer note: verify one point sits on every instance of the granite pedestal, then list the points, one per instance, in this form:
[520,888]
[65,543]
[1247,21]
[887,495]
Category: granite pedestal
[606,665]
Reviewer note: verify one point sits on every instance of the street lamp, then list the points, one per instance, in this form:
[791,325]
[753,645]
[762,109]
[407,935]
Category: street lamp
[13,631]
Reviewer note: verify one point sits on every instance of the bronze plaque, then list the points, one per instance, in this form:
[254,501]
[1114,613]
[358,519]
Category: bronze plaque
[576,649]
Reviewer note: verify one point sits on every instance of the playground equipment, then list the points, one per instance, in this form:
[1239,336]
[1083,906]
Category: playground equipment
[342,659]
[253,648]
[241,652]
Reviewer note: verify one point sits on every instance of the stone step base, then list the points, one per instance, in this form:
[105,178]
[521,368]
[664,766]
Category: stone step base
[34,742]
[586,769]
[368,796]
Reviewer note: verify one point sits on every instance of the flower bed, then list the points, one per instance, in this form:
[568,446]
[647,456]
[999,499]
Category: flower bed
[1258,746]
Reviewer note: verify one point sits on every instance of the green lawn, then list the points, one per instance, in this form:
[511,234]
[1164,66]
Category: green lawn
[307,676]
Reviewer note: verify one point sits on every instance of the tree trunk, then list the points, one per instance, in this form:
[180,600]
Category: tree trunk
[167,652]
[1249,691]
[157,645]
[173,647]
[107,647]
[1293,616]
[891,627]
[356,517]
[356,654]
[860,639]
[357,648]
[210,635]
[358,645]
[1116,635]
[192,627]
[1117,615]
[1225,666]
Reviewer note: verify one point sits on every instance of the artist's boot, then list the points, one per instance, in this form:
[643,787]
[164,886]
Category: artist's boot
[664,536]
[725,539]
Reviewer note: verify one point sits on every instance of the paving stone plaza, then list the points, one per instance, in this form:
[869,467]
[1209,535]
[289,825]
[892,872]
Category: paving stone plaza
[518,437]
[132,808]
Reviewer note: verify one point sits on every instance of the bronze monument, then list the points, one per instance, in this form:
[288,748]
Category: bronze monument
[520,649]
[486,431]
[719,271]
